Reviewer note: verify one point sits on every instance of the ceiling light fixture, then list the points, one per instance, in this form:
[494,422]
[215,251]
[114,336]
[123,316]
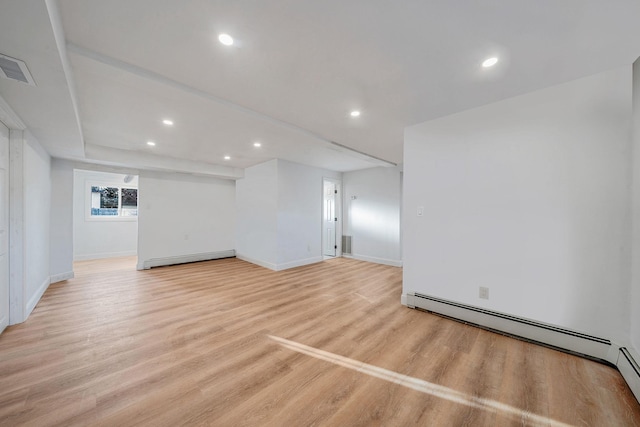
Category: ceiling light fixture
[227,157]
[225,39]
[490,62]
[355,113]
[151,143]
[168,122]
[257,144]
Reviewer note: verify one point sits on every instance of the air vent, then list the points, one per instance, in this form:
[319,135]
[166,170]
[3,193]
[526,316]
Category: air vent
[346,245]
[14,69]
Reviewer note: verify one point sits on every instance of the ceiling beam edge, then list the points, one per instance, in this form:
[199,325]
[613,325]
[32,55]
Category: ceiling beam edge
[158,78]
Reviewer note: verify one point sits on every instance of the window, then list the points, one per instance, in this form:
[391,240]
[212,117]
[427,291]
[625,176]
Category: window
[113,201]
[129,202]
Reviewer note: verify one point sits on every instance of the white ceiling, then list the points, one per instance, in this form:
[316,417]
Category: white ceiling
[108,72]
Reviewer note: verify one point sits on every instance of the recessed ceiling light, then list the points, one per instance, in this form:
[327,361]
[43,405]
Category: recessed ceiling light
[490,62]
[355,113]
[227,157]
[151,143]
[225,39]
[168,122]
[257,144]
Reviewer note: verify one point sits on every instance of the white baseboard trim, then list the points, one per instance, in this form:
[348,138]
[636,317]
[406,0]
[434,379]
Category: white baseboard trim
[375,260]
[403,299]
[61,277]
[283,266]
[264,264]
[299,263]
[33,301]
[629,366]
[542,333]
[102,255]
[4,322]
[183,259]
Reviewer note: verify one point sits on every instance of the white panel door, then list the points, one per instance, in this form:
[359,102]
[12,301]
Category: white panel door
[329,219]
[4,227]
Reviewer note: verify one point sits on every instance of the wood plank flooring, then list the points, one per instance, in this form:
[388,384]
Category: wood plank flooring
[228,343]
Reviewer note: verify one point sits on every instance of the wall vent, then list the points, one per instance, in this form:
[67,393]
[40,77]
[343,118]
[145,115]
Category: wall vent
[346,245]
[14,69]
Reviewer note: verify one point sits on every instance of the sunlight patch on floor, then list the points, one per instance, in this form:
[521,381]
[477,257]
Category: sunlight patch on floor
[420,385]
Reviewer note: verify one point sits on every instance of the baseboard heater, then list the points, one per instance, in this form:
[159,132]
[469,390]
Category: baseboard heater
[630,370]
[183,259]
[545,334]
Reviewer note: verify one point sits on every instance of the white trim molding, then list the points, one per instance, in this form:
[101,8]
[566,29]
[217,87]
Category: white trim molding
[283,266]
[299,263]
[375,260]
[102,255]
[9,117]
[33,301]
[62,277]
[264,264]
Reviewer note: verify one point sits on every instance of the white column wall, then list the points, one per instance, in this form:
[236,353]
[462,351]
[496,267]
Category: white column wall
[61,221]
[279,211]
[256,215]
[4,226]
[299,221]
[372,199]
[30,201]
[634,300]
[184,218]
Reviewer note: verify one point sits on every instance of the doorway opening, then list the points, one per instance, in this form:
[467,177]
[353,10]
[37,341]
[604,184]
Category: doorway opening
[105,217]
[331,218]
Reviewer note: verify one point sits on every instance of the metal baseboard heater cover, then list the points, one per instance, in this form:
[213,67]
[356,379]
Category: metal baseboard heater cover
[630,370]
[548,335]
[538,332]
[183,259]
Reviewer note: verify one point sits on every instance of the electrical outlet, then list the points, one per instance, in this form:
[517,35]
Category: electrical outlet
[484,293]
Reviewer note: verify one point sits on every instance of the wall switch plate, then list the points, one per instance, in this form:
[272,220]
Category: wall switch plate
[420,210]
[484,293]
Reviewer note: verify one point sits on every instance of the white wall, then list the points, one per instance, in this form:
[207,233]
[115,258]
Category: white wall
[29,205]
[95,238]
[279,211]
[300,198]
[184,217]
[529,197]
[634,301]
[257,213]
[37,203]
[372,200]
[61,221]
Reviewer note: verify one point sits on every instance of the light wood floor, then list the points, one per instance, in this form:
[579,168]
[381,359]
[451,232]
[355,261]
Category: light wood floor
[227,343]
